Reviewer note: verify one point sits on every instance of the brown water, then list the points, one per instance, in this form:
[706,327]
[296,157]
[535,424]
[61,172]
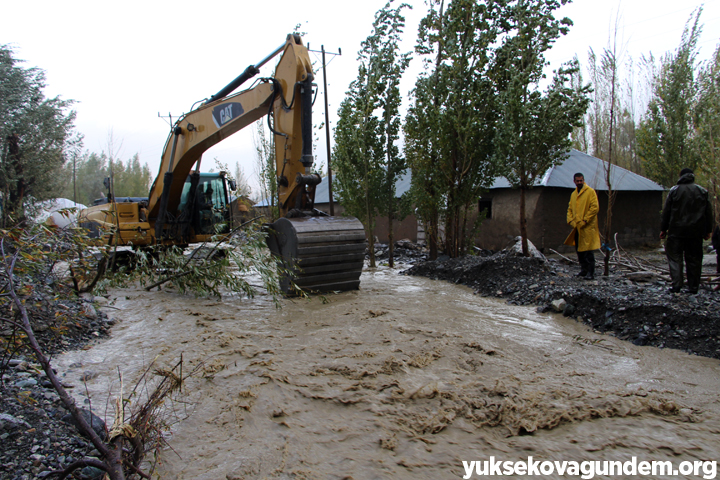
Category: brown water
[405,378]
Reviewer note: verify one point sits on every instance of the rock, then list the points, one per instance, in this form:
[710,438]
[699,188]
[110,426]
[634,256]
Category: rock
[88,375]
[28,382]
[641,276]
[88,297]
[8,422]
[559,305]
[90,312]
[97,423]
[92,473]
[569,310]
[20,366]
[516,249]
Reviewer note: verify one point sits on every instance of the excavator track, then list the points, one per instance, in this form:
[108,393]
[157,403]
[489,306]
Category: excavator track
[320,254]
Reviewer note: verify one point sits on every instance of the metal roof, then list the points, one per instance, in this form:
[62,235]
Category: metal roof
[402,185]
[559,176]
[594,171]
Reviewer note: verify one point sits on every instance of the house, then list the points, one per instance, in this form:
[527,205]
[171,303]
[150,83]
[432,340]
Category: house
[404,229]
[635,217]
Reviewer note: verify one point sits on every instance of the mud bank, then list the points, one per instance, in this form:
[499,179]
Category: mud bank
[405,378]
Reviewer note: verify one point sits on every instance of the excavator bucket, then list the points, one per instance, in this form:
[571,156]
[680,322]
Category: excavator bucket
[319,254]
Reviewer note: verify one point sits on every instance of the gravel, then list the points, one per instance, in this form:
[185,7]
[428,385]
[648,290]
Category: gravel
[34,439]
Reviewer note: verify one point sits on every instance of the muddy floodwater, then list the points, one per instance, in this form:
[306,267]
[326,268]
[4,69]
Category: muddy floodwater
[404,379]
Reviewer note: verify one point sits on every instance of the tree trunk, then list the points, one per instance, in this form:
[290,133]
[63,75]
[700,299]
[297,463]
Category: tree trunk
[432,235]
[391,210]
[17,191]
[371,246]
[391,240]
[523,224]
[611,194]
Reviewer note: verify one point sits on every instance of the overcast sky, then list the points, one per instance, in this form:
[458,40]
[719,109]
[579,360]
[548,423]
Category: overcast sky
[127,62]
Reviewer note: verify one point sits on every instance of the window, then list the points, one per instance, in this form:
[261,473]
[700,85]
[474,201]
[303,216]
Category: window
[485,205]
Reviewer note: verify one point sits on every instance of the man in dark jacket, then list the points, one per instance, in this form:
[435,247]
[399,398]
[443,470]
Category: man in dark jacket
[716,246]
[687,219]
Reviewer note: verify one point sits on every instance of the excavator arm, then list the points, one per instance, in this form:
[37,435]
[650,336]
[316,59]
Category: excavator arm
[286,97]
[318,252]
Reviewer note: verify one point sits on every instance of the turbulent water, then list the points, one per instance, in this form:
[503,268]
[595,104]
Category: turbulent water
[406,378]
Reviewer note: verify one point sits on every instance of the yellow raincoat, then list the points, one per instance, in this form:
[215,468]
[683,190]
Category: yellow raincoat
[582,216]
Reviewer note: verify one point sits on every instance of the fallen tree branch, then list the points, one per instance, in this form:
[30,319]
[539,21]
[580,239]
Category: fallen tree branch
[563,256]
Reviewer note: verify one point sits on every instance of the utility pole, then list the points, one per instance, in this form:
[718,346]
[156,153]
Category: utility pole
[327,129]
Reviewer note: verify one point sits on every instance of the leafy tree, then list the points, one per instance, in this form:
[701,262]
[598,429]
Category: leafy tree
[132,179]
[265,169]
[706,118]
[579,137]
[357,156]
[385,57]
[243,186]
[534,127]
[664,138]
[34,134]
[450,125]
[91,169]
[366,160]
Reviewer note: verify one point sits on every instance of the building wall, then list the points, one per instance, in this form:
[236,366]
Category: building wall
[406,229]
[636,218]
[503,226]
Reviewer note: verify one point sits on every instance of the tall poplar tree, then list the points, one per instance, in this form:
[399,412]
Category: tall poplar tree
[450,124]
[706,118]
[534,127]
[366,159]
[664,136]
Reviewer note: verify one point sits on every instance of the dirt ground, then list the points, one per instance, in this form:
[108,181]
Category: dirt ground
[406,378]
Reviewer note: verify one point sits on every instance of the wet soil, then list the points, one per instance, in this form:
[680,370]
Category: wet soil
[643,312]
[405,378]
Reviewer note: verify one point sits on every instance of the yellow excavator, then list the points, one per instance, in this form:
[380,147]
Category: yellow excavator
[318,252]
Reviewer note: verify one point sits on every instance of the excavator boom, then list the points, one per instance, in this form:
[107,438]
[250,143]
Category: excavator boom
[318,252]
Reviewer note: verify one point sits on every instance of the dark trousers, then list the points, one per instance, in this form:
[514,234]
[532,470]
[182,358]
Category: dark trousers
[677,248]
[586,259]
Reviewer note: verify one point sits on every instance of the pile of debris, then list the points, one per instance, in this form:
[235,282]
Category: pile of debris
[405,251]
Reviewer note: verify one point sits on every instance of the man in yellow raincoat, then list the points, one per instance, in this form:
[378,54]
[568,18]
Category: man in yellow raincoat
[582,216]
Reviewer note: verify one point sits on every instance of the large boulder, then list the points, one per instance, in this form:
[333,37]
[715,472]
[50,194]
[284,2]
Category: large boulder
[515,249]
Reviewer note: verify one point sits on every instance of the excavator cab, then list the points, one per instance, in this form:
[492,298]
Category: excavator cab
[208,208]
